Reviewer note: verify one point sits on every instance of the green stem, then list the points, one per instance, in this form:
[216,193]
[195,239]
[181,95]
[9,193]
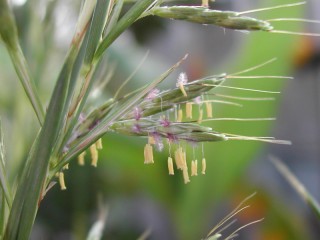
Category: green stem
[9,35]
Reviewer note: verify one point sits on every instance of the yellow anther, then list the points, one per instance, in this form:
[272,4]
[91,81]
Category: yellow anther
[200,116]
[148,154]
[189,110]
[194,168]
[185,175]
[179,158]
[182,89]
[205,3]
[180,115]
[66,167]
[81,158]
[170,166]
[61,181]
[204,166]
[99,144]
[94,155]
[209,109]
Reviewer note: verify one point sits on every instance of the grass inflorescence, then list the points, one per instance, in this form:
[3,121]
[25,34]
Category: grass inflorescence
[164,117]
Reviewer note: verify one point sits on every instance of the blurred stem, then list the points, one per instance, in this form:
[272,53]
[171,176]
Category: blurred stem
[297,185]
[9,35]
[3,176]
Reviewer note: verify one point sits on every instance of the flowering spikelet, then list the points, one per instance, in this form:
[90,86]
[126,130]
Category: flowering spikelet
[189,110]
[61,181]
[200,116]
[81,158]
[94,155]
[182,80]
[204,166]
[194,168]
[153,94]
[99,144]
[209,109]
[180,115]
[170,166]
[148,154]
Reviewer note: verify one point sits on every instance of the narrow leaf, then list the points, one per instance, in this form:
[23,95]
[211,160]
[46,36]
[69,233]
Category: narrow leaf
[3,178]
[130,17]
[9,35]
[34,176]
[96,28]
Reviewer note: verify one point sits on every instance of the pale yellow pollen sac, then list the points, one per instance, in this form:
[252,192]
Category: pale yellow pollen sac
[61,181]
[194,168]
[99,144]
[185,175]
[180,115]
[209,109]
[170,166]
[151,140]
[178,157]
[66,167]
[204,166]
[81,158]
[200,116]
[182,89]
[94,155]
[184,158]
[205,3]
[189,110]
[148,154]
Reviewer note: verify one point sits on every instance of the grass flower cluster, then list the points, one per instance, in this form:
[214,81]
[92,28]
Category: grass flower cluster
[164,117]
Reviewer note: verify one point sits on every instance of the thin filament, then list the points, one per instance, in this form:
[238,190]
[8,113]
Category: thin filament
[271,8]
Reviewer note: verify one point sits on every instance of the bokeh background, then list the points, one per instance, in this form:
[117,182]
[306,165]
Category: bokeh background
[141,197]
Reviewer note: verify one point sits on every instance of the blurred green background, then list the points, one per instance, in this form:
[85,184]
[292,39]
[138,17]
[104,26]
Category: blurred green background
[141,197]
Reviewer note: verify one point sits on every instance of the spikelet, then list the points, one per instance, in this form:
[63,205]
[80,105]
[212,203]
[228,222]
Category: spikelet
[94,155]
[148,154]
[61,181]
[189,110]
[81,158]
[209,109]
[204,166]
[170,166]
[194,168]
[66,167]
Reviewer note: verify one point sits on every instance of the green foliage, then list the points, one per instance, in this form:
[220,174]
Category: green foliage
[64,132]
